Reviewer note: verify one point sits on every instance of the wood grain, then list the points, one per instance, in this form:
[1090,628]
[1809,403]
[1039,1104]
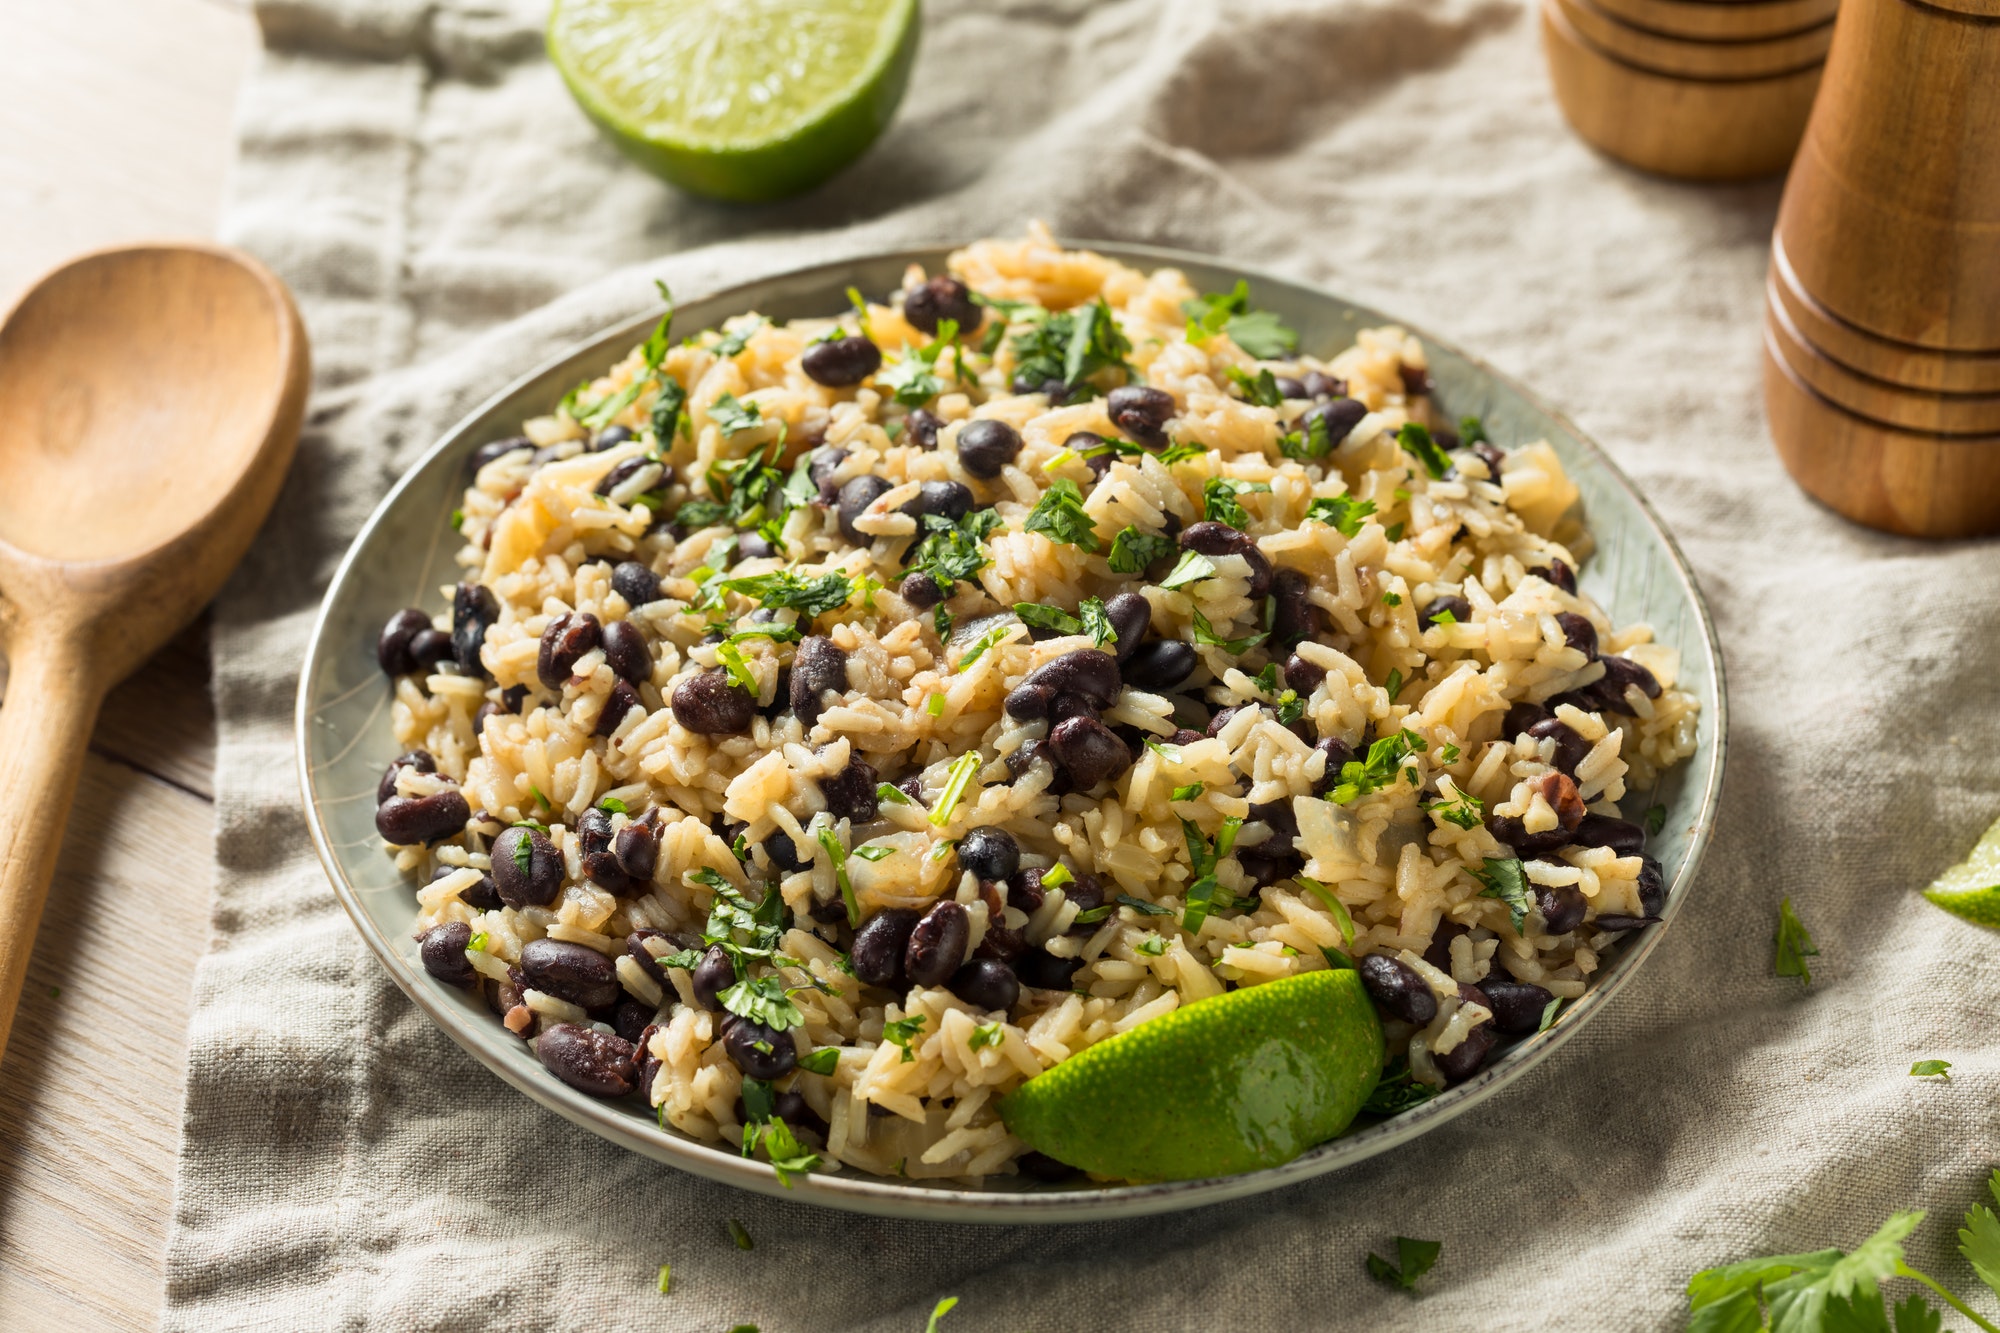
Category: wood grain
[1722,20]
[1694,129]
[1880,358]
[1701,58]
[117,126]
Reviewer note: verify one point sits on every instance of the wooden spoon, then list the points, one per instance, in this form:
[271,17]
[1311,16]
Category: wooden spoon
[150,399]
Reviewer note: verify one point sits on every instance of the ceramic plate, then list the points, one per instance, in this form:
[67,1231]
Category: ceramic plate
[404,555]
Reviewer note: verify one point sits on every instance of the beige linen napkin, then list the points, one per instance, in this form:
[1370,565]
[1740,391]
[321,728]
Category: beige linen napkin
[447,218]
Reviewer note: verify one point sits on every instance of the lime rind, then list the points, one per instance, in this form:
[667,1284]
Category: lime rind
[748,101]
[1236,1083]
[1971,889]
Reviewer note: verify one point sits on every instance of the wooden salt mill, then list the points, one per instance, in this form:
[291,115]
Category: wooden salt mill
[1700,89]
[1882,307]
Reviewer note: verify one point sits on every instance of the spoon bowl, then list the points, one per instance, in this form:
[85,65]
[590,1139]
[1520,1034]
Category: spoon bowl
[150,401]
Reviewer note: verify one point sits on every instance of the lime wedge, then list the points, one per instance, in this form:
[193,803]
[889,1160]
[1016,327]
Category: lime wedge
[1242,1081]
[1971,888]
[746,100]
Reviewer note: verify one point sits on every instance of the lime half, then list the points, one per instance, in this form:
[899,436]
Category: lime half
[747,100]
[1971,888]
[1236,1083]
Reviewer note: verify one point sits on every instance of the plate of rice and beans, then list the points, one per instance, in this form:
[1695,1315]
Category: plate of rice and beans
[1012,733]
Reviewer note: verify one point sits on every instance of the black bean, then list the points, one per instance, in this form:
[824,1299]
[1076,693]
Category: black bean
[839,362]
[1002,944]
[709,704]
[939,299]
[1044,971]
[1269,863]
[1086,672]
[989,853]
[505,996]
[481,897]
[409,822]
[850,793]
[759,1050]
[1459,609]
[819,665]
[823,469]
[635,582]
[1131,615]
[714,974]
[1416,380]
[1291,388]
[622,700]
[783,853]
[636,848]
[937,945]
[1465,1059]
[1397,989]
[417,760]
[593,834]
[487,453]
[877,955]
[1341,416]
[1510,830]
[443,951]
[986,983]
[1517,1005]
[610,438]
[625,651]
[635,947]
[921,428]
[429,647]
[1620,835]
[1652,887]
[1321,385]
[568,637]
[1571,748]
[1490,456]
[1142,412]
[855,497]
[1578,633]
[1163,664]
[1560,574]
[622,472]
[920,590]
[1618,922]
[474,608]
[1211,538]
[1301,676]
[1088,751]
[1338,755]
[598,1063]
[946,499]
[573,972]
[1028,702]
[1619,672]
[753,546]
[1293,617]
[631,1019]
[1562,907]
[1438,955]
[1025,892]
[392,646]
[986,447]
[1221,719]
[527,868]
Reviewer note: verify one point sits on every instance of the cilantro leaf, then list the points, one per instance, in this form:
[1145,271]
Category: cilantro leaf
[1315,441]
[912,378]
[1037,616]
[1342,513]
[669,413]
[1070,346]
[1979,1242]
[1508,882]
[1471,431]
[1931,1069]
[1792,945]
[763,1000]
[1192,568]
[731,416]
[1466,811]
[822,1061]
[1415,1258]
[902,1032]
[1417,440]
[1205,633]
[1396,1092]
[1219,502]
[1261,390]
[1798,1287]
[732,344]
[1059,516]
[939,1311]
[785,589]
[1379,768]
[1097,622]
[1259,333]
[950,552]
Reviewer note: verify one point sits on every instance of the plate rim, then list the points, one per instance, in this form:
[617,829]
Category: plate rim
[851,1190]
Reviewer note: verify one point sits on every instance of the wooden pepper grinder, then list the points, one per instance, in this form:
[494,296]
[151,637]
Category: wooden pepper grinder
[1700,89]
[1882,308]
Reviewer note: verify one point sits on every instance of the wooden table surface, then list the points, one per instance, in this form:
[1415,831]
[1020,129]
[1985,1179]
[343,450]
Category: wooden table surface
[117,126]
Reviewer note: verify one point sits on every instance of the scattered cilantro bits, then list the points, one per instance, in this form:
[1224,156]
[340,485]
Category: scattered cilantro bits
[1931,1069]
[740,1235]
[1792,945]
[1414,1258]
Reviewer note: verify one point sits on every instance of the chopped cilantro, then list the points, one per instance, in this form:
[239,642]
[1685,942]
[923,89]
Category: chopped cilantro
[912,378]
[1056,876]
[836,855]
[1336,961]
[1471,431]
[1133,550]
[1394,532]
[785,589]
[731,416]
[1070,346]
[1181,452]
[666,1277]
[1342,513]
[939,1311]
[738,1234]
[1205,892]
[1315,441]
[964,770]
[979,647]
[458,520]
[1092,916]
[1097,622]
[1047,617]
[952,551]
[873,853]
[1193,568]
[1336,908]
[1549,1015]
[889,794]
[1931,1069]
[1187,793]
[1414,1259]
[986,1034]
[1396,1093]
[669,412]
[1219,502]
[1152,946]
[763,1000]
[1141,906]
[1392,599]
[1445,617]
[1466,811]
[611,805]
[1379,768]
[1418,441]
[1205,633]
[732,344]
[1394,685]
[1793,945]
[1448,753]
[1507,881]
[902,1032]
[1258,332]
[1059,515]
[1260,389]
[1654,820]
[739,671]
[822,1061]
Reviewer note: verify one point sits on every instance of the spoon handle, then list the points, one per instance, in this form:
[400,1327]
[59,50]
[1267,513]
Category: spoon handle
[51,705]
